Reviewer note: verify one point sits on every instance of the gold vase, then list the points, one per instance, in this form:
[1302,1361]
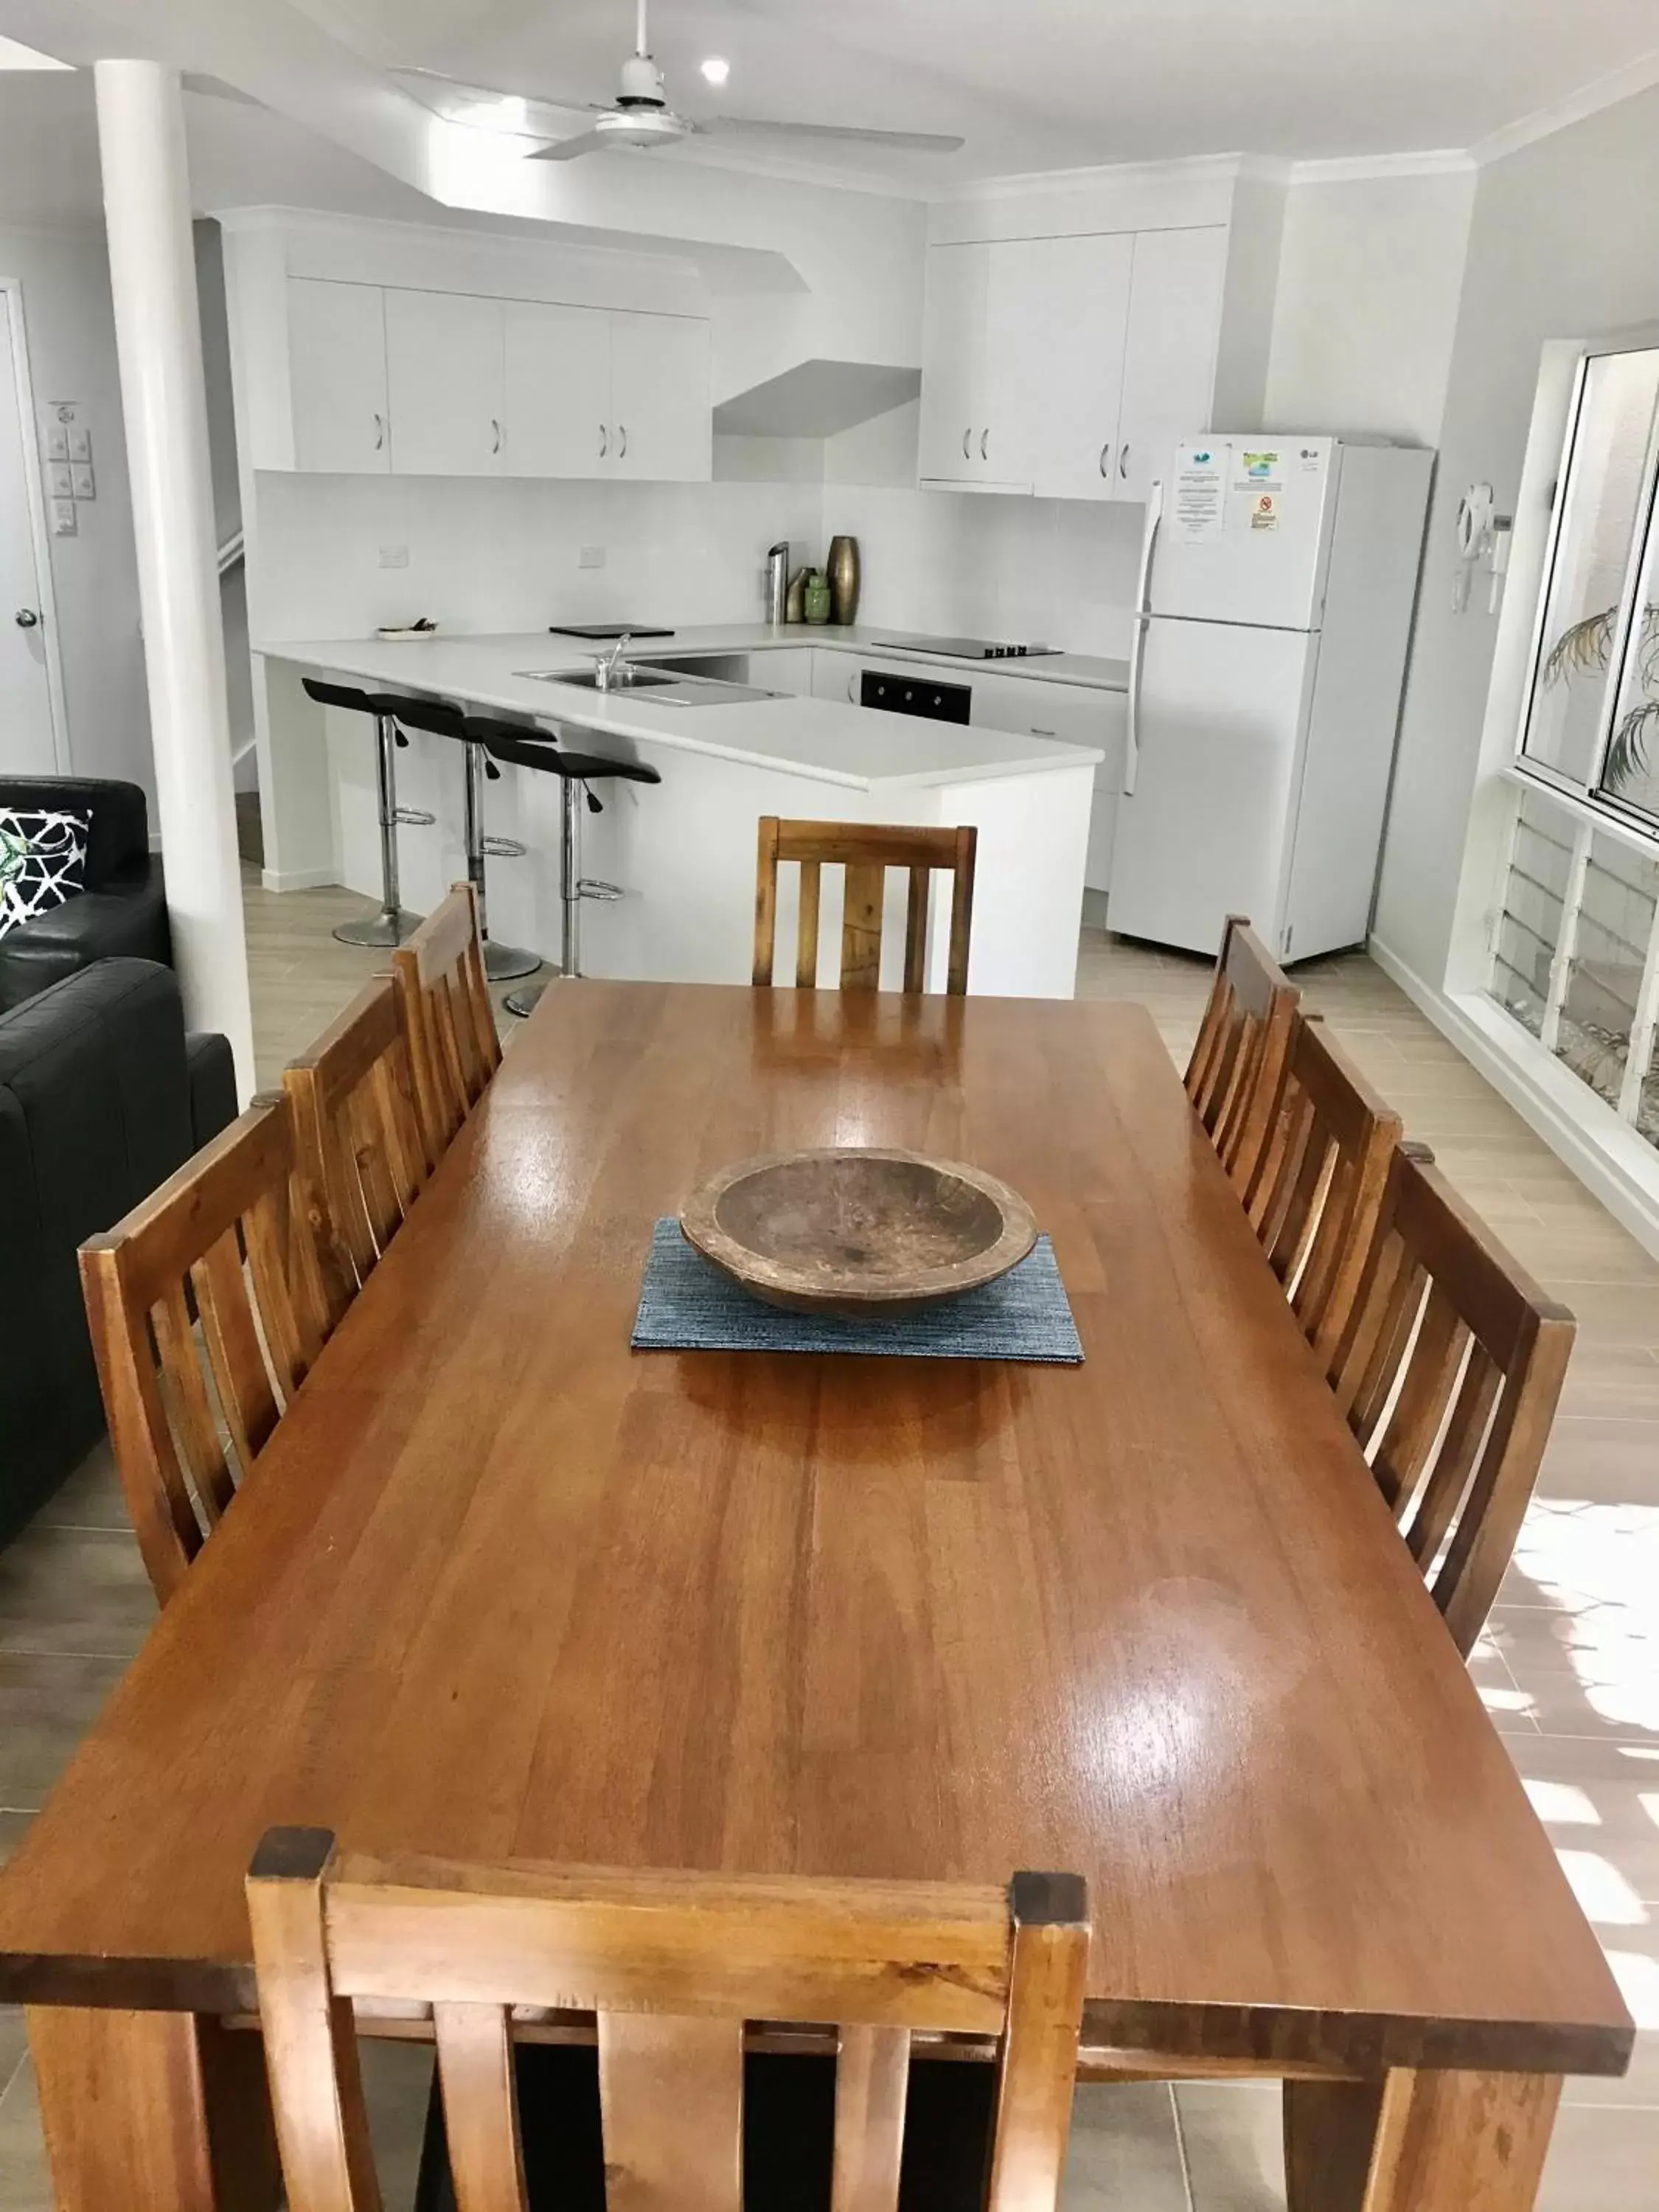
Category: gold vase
[843,571]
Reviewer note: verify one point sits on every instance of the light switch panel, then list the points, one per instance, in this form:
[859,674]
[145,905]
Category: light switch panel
[63,522]
[60,480]
[81,483]
[590,556]
[57,442]
[80,443]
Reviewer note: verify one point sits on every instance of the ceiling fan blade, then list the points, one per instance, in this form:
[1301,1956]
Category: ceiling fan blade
[910,142]
[590,141]
[488,106]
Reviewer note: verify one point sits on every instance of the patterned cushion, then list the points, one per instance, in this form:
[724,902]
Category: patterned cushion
[43,862]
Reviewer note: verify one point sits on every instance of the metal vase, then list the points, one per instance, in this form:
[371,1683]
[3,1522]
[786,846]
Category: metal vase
[844,572]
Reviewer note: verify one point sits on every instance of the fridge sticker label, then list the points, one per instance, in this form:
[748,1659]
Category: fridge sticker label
[1200,492]
[1264,472]
[1264,513]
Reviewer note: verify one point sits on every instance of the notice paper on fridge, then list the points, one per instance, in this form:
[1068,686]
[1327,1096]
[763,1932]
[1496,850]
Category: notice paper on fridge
[1200,491]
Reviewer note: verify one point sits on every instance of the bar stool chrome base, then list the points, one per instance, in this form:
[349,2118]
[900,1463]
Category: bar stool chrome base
[382,931]
[505,963]
[523,1003]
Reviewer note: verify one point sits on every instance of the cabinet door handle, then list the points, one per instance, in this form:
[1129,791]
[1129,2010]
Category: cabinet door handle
[1037,732]
[496,427]
[379,434]
[622,442]
[984,444]
[851,682]
[604,442]
[1106,459]
[967,441]
[1123,462]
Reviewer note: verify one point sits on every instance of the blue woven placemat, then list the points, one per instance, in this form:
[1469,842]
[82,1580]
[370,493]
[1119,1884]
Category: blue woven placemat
[687,1304]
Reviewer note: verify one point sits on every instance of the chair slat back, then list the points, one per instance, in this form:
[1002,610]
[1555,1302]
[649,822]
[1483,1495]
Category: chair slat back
[360,1151]
[1449,1371]
[865,851]
[444,1008]
[1237,1066]
[191,1396]
[1318,1186]
[672,1964]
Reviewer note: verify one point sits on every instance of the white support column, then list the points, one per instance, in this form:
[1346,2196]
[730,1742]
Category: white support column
[141,137]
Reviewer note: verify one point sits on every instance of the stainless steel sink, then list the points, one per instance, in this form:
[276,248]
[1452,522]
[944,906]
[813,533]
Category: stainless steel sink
[587,679]
[662,686]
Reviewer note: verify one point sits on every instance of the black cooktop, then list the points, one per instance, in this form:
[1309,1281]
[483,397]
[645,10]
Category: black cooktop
[600,630]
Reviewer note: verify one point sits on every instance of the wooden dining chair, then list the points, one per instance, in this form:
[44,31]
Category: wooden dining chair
[1318,1187]
[444,1005]
[191,1401]
[1237,1066]
[1449,1373]
[361,1156]
[865,851]
[672,1964]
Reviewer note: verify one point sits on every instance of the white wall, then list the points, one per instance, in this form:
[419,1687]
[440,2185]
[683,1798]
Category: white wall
[71,346]
[501,554]
[1370,276]
[1564,241]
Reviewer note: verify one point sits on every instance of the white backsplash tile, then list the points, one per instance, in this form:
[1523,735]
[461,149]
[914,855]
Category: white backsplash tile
[502,556]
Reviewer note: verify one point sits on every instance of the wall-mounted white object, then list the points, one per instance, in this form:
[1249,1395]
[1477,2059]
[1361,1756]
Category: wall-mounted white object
[81,483]
[1473,528]
[57,442]
[80,443]
[60,480]
[63,522]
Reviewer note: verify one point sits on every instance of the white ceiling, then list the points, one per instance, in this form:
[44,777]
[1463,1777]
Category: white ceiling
[1044,84]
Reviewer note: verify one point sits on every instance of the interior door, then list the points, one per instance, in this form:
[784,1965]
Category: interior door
[337,376]
[1216,736]
[556,390]
[1076,346]
[444,384]
[953,363]
[1169,360]
[661,413]
[26,747]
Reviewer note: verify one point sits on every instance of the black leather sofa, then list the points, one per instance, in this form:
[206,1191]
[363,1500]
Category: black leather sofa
[122,912]
[102,1096]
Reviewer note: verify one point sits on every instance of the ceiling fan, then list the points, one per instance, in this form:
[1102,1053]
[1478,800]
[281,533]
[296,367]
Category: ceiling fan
[639,117]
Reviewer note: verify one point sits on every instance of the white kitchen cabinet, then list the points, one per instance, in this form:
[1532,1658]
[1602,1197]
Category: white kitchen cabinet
[661,419]
[338,376]
[1077,716]
[436,383]
[1070,366]
[444,383]
[1175,298]
[1080,322]
[556,390]
[953,353]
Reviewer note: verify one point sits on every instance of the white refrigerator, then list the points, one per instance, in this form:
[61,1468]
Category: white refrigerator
[1277,588]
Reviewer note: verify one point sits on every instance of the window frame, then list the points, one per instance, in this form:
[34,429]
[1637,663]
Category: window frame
[1636,826]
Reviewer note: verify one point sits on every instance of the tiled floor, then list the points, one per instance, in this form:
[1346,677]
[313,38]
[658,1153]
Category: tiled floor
[1570,1666]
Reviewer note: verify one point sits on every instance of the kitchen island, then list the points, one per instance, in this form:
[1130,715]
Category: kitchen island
[682,850]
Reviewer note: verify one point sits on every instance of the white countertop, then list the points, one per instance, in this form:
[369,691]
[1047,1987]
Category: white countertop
[1083,670]
[828,742]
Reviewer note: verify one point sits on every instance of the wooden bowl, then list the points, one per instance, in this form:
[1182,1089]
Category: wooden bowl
[858,1232]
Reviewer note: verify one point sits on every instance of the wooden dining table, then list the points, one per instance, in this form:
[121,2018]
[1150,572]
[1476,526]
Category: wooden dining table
[499,1587]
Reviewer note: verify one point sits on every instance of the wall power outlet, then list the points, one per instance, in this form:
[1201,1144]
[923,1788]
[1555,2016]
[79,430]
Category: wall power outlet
[590,556]
[394,556]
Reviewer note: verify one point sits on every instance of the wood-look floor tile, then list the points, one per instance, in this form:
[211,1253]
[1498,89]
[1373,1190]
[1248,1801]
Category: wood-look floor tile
[70,1589]
[47,1703]
[1124,2150]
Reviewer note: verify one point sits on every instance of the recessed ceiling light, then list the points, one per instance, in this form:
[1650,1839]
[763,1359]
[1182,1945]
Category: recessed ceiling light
[716,68]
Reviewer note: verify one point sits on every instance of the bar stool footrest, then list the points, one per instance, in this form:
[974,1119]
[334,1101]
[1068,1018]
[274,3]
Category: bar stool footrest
[593,887]
[502,848]
[414,817]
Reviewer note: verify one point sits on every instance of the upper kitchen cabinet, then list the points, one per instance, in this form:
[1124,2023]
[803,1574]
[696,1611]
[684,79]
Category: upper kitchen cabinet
[445,356]
[1069,361]
[348,377]
[336,377]
[557,389]
[1169,376]
[661,417]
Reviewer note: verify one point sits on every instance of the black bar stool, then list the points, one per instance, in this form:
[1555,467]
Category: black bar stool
[502,963]
[392,924]
[520,747]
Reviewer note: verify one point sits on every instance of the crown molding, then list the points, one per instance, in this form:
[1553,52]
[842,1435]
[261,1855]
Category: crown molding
[1029,184]
[1603,92]
[1361,168]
